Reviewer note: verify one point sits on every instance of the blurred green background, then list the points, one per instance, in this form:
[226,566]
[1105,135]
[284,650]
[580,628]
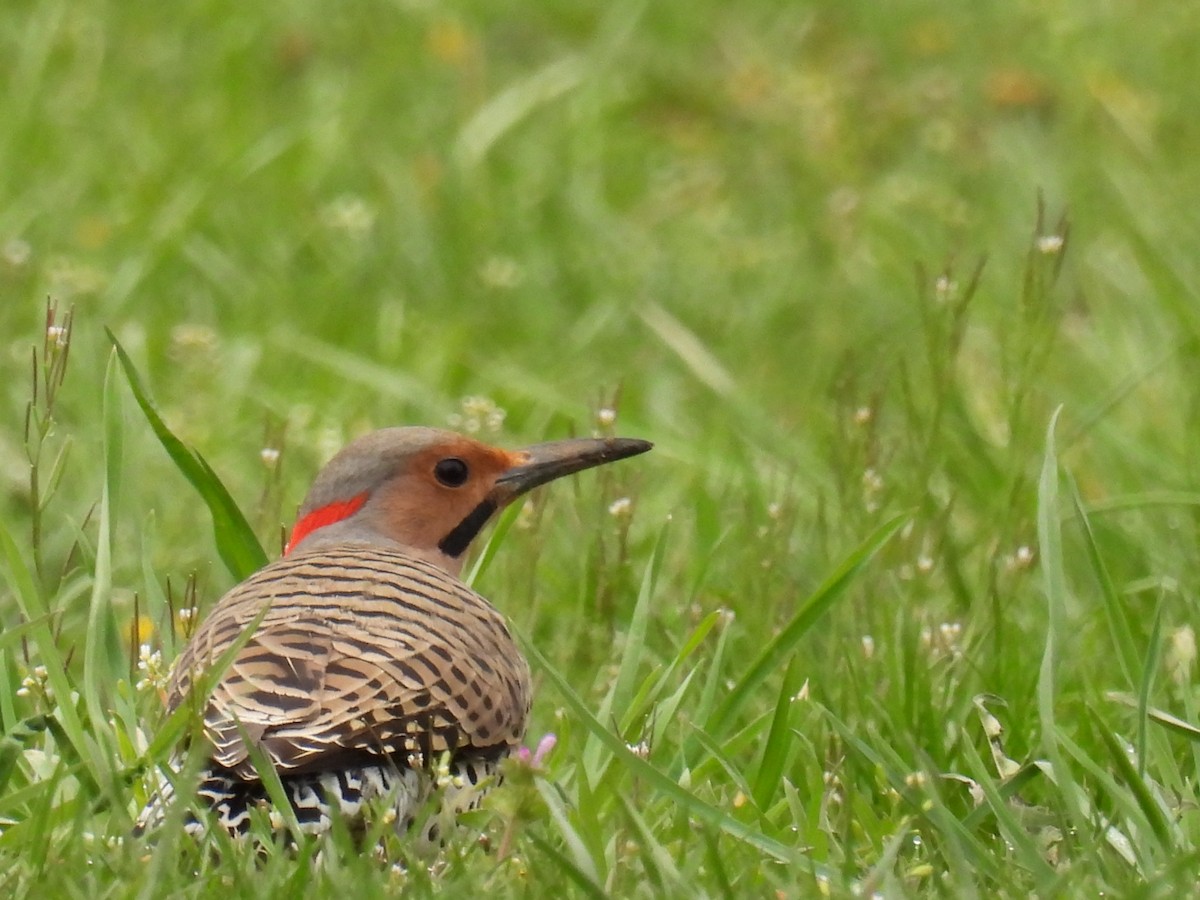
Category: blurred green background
[317,219]
[754,229]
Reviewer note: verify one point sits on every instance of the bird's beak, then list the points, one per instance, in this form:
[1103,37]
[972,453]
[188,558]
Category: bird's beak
[544,462]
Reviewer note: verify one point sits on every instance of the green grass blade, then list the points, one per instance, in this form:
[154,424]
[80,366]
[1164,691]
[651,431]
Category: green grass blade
[15,742]
[569,868]
[1146,684]
[1007,790]
[8,686]
[656,682]
[652,776]
[714,680]
[1114,605]
[1134,779]
[719,759]
[202,684]
[581,858]
[656,859]
[635,638]
[810,613]
[1159,716]
[264,767]
[1025,851]
[1143,500]
[665,712]
[101,651]
[619,694]
[779,738]
[19,633]
[21,581]
[884,758]
[1049,527]
[237,544]
[494,542]
[878,875]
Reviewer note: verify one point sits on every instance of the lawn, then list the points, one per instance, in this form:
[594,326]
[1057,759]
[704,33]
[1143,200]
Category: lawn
[903,600]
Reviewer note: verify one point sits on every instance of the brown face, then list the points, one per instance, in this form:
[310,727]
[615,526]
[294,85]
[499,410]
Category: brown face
[441,487]
[432,491]
[447,491]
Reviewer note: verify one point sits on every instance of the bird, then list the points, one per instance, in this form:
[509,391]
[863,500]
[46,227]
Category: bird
[359,664]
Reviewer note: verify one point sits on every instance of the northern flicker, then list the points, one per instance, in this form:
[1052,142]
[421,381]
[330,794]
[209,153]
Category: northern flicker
[371,661]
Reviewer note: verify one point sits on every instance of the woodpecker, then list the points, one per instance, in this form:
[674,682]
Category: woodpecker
[368,662]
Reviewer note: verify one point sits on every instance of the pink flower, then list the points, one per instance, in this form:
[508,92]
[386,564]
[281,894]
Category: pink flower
[535,758]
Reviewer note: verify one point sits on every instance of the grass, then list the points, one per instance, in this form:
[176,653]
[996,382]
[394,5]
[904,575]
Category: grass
[902,601]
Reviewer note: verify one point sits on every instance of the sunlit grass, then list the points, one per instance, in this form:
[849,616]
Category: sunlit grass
[902,600]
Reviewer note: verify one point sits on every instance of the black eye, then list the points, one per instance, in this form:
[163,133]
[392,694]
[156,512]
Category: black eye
[452,472]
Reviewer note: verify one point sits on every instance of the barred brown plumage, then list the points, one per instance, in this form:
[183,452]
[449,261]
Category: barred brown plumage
[362,651]
[368,659]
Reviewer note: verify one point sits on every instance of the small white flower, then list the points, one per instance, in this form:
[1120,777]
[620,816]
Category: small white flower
[150,664]
[441,772]
[606,416]
[16,252]
[1021,559]
[944,287]
[190,340]
[501,273]
[1049,244]
[350,215]
[525,516]
[868,646]
[478,414]
[863,415]
[269,456]
[621,508]
[1181,654]
[36,682]
[924,564]
[70,277]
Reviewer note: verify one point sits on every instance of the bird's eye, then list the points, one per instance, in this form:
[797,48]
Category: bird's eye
[452,472]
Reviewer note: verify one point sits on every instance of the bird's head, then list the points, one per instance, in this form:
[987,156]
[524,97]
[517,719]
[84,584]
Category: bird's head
[432,491]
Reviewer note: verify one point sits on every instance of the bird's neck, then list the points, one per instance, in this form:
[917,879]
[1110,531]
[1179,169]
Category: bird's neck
[357,532]
[323,517]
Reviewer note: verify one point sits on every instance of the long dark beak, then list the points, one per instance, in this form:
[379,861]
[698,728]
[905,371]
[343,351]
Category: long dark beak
[554,459]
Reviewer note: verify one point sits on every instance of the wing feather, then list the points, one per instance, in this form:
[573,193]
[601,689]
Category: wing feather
[361,652]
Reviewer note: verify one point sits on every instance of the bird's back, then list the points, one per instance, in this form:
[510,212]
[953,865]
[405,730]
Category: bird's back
[363,660]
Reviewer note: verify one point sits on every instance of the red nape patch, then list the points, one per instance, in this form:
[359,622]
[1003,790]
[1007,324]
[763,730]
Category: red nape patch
[326,515]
